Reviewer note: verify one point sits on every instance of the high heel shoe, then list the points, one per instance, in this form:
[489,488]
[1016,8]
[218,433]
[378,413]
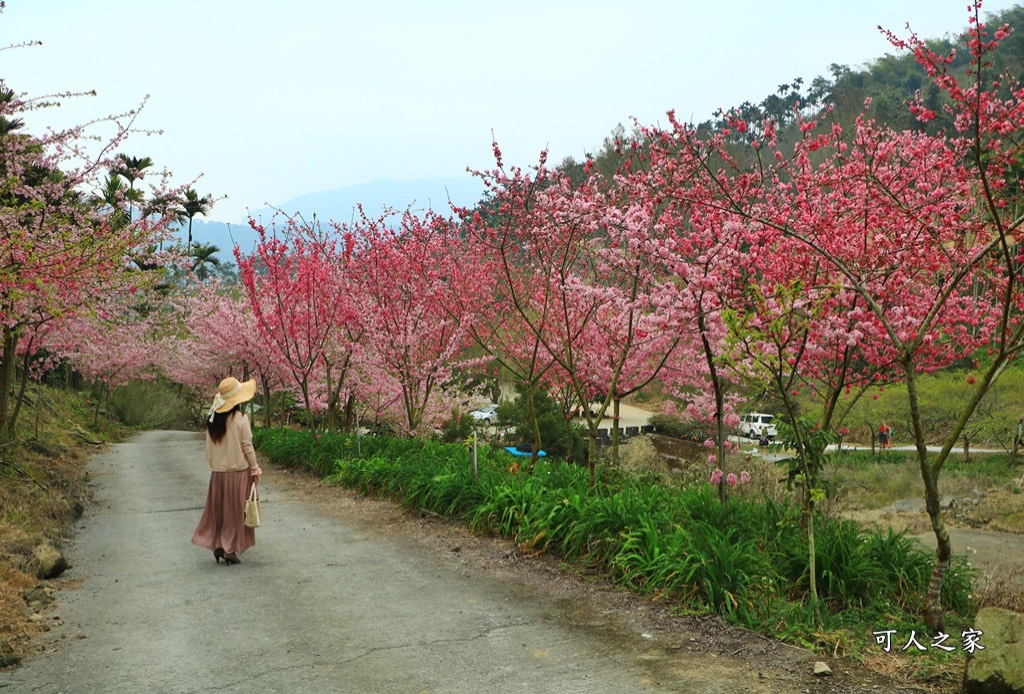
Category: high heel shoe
[232,559]
[218,554]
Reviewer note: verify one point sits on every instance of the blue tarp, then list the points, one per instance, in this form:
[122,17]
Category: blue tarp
[519,450]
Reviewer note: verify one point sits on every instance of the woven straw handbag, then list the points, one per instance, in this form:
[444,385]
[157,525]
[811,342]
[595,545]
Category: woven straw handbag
[253,511]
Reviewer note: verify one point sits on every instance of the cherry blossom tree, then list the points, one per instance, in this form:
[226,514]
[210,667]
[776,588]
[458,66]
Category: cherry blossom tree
[574,272]
[299,291]
[413,336]
[630,340]
[510,322]
[59,253]
[537,233]
[924,234]
[208,334]
[105,347]
[705,254]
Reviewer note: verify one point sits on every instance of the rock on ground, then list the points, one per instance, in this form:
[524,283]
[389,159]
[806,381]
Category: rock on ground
[998,667]
[49,562]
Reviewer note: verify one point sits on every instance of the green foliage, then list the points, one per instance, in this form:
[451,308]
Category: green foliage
[554,436]
[155,404]
[458,427]
[746,560]
[942,397]
[686,429]
[809,444]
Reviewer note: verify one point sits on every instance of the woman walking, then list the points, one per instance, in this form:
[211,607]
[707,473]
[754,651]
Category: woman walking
[232,459]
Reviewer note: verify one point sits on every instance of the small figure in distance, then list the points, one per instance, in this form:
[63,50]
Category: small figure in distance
[885,435]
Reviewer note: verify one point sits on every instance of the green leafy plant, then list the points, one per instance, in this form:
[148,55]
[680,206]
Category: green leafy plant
[748,560]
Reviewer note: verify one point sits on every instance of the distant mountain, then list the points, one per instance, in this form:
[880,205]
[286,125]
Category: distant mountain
[340,206]
[223,236]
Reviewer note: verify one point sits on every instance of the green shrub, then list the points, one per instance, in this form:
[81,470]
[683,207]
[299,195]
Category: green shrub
[155,404]
[556,438]
[686,429]
[458,427]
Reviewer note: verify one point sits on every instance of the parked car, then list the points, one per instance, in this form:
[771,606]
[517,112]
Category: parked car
[488,413]
[757,425]
[524,449]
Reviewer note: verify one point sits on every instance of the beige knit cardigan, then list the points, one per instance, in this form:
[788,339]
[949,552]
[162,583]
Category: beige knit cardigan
[235,451]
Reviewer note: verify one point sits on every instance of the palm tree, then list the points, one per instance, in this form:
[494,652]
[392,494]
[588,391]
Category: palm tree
[131,169]
[204,254]
[8,125]
[165,207]
[192,206]
[111,198]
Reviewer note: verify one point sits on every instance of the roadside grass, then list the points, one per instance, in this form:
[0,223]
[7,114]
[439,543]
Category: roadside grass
[745,560]
[859,479]
[157,404]
[43,489]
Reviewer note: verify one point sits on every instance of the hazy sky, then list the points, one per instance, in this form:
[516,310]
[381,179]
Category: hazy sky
[269,100]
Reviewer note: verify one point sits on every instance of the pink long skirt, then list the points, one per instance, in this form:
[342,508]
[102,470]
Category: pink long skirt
[223,521]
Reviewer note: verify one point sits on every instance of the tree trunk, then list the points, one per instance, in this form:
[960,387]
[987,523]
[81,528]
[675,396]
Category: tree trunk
[615,430]
[531,413]
[266,403]
[718,387]
[39,409]
[332,405]
[570,448]
[812,557]
[934,616]
[805,456]
[309,405]
[592,454]
[21,395]
[10,355]
[351,421]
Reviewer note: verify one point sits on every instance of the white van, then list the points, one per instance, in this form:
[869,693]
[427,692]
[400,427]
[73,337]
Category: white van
[757,425]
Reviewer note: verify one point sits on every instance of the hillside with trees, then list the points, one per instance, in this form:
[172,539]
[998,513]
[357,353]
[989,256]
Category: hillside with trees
[890,82]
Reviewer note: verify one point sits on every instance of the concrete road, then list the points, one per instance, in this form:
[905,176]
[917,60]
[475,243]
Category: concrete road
[316,606]
[999,556]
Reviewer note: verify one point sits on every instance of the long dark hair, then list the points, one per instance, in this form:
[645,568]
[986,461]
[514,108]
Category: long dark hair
[219,425]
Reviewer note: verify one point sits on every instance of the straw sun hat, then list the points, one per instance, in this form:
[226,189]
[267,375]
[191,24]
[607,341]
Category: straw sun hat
[231,392]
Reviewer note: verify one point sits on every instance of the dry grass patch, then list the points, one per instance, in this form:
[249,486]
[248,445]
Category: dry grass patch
[860,480]
[43,490]
[1000,587]
[16,624]
[917,672]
